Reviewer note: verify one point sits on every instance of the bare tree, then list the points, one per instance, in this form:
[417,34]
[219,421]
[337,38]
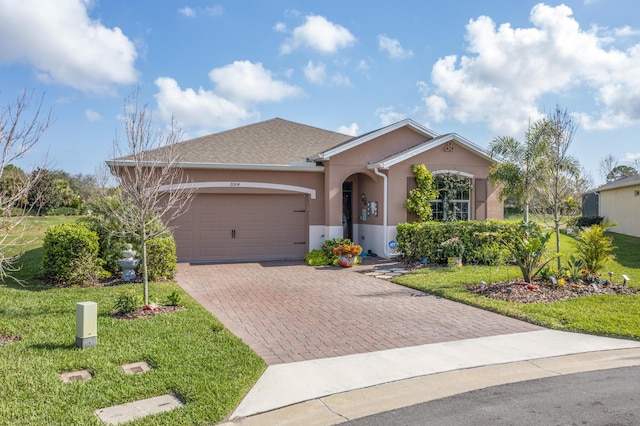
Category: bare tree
[607,164]
[556,200]
[21,127]
[152,185]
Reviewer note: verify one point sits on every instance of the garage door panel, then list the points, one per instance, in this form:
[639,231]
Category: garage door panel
[266,227]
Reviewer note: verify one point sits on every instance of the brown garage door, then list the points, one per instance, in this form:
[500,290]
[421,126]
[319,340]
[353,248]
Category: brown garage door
[224,227]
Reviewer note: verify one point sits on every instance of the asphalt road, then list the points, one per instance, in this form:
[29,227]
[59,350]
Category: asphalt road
[606,397]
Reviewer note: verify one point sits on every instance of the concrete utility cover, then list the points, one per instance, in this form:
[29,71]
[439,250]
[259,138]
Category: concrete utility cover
[136,367]
[75,376]
[134,410]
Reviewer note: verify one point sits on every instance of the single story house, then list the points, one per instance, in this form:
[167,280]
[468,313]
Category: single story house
[277,189]
[619,201]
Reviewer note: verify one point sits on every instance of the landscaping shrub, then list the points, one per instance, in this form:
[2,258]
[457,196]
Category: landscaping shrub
[71,255]
[586,221]
[594,248]
[161,258]
[317,258]
[127,301]
[174,299]
[527,248]
[421,240]
[329,245]
[110,242]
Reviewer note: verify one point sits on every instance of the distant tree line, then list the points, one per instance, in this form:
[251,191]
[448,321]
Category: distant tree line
[55,192]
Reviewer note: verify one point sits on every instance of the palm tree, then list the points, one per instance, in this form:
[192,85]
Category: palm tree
[519,171]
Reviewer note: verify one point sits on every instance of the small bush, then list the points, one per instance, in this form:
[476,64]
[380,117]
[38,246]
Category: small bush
[329,245]
[317,258]
[71,255]
[594,248]
[586,221]
[127,301]
[162,261]
[174,299]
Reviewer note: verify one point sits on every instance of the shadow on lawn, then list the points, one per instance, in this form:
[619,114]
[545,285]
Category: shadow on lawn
[627,250]
[28,276]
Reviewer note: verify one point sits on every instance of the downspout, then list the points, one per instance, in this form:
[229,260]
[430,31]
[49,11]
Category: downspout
[385,213]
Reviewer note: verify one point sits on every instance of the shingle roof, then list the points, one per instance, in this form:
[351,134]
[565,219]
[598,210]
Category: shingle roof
[620,183]
[270,142]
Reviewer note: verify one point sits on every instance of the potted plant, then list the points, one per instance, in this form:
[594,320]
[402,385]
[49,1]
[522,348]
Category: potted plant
[453,249]
[346,253]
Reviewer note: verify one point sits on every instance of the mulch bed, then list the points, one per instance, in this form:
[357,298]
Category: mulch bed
[544,292]
[8,338]
[146,313]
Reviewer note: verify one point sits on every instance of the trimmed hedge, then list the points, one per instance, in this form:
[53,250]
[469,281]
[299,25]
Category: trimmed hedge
[586,221]
[71,255]
[162,261]
[421,240]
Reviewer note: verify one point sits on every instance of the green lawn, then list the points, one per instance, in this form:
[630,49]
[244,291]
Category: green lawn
[191,354]
[605,315]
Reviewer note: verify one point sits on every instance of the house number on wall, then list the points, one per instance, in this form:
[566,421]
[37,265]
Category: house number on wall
[234,183]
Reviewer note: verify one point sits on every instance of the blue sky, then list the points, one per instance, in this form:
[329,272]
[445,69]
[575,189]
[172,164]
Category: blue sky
[477,68]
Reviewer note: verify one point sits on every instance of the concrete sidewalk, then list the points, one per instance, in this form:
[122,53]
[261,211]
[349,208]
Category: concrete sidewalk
[334,390]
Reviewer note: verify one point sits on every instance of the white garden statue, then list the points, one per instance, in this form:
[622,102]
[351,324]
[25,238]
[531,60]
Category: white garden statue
[129,263]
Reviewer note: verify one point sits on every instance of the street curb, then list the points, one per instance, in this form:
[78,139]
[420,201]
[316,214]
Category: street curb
[341,407]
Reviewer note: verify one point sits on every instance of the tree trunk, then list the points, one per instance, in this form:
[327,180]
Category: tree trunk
[145,275]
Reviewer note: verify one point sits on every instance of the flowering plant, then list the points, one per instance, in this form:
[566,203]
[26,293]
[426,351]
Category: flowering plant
[452,247]
[590,277]
[347,250]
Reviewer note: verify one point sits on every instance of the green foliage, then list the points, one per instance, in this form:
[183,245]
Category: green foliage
[594,248]
[585,221]
[450,186]
[71,255]
[53,191]
[574,268]
[419,201]
[109,231]
[418,241]
[161,258]
[317,257]
[329,245]
[527,248]
[174,299]
[127,301]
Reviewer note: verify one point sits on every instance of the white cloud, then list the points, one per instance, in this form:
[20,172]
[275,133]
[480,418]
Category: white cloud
[508,70]
[239,87]
[64,45]
[387,115]
[315,73]
[198,108]
[631,157]
[280,27]
[92,115]
[248,83]
[393,48]
[190,12]
[318,34]
[352,129]
[362,65]
[187,11]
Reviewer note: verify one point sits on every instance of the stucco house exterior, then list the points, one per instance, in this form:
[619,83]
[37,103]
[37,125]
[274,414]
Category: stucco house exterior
[620,202]
[277,189]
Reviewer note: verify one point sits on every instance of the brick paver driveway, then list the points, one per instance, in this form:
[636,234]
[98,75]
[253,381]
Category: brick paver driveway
[288,311]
